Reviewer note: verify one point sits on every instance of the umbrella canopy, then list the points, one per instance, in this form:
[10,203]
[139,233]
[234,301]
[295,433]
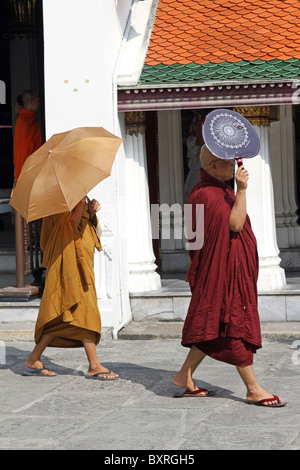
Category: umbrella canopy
[228,134]
[61,172]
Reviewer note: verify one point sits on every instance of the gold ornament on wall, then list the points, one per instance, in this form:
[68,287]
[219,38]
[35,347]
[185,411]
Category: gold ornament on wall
[256,115]
[135,123]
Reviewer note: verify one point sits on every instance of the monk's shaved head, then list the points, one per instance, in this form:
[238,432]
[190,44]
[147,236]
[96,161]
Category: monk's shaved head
[206,157]
[28,96]
[31,100]
[219,168]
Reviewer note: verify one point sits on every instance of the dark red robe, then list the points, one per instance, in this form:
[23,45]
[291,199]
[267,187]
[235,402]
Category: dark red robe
[222,319]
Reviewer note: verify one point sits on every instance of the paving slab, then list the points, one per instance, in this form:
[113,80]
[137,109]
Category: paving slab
[138,411]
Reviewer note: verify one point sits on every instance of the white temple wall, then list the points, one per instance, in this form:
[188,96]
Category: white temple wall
[82,41]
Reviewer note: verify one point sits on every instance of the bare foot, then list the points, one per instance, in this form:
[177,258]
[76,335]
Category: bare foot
[254,396]
[102,370]
[182,381]
[39,365]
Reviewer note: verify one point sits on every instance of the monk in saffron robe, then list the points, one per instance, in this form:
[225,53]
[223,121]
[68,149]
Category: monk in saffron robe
[223,320]
[69,315]
[28,137]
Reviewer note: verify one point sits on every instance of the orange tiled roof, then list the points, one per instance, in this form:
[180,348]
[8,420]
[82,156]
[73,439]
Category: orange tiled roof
[224,32]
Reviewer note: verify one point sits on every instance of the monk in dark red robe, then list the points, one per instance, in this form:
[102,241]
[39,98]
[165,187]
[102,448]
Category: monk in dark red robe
[223,320]
[28,137]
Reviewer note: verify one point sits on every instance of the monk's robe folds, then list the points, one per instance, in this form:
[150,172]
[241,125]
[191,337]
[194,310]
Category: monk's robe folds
[69,310]
[222,319]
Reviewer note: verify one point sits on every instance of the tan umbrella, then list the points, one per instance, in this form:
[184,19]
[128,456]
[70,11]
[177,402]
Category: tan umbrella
[58,175]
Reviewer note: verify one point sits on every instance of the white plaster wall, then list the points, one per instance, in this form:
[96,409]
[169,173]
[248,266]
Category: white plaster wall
[123,8]
[82,40]
[138,33]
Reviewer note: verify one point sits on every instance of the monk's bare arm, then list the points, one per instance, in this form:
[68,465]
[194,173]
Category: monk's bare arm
[77,212]
[239,209]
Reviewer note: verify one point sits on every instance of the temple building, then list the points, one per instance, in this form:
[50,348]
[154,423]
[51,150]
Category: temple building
[150,71]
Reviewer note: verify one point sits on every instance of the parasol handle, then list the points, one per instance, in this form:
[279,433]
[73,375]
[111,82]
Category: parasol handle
[239,161]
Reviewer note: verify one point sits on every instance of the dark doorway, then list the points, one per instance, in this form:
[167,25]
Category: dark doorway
[21,68]
[153,172]
[6,147]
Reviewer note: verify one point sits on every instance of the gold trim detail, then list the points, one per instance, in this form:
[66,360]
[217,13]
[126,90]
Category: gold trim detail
[135,123]
[256,115]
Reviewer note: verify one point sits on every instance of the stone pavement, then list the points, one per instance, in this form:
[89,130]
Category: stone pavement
[137,412]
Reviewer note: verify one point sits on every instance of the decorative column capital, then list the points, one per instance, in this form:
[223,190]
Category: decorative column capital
[135,123]
[256,115]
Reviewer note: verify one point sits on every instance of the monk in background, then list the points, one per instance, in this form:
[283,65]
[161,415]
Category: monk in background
[69,316]
[27,139]
[223,320]
[28,136]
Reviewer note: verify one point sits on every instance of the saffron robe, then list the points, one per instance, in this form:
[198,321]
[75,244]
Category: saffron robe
[69,310]
[27,139]
[222,318]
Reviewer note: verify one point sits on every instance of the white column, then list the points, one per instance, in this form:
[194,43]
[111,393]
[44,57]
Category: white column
[171,186]
[260,204]
[141,260]
[170,157]
[283,171]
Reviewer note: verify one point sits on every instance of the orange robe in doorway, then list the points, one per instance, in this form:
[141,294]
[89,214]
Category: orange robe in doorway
[27,139]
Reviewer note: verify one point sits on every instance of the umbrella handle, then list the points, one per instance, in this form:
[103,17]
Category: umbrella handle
[89,201]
